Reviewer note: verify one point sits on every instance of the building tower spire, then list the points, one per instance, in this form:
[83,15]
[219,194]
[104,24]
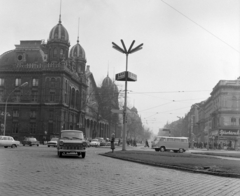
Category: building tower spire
[60,12]
[78,31]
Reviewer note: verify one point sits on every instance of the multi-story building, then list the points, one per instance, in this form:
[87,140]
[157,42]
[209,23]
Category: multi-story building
[55,93]
[219,116]
[95,125]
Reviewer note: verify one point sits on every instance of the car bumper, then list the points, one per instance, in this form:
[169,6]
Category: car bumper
[71,150]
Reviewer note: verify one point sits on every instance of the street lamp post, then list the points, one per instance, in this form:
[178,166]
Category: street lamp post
[5,112]
[192,131]
[126,52]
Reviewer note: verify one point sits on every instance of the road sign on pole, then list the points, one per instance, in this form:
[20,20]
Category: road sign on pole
[126,75]
[117,111]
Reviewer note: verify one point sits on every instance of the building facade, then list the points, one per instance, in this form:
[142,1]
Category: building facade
[56,89]
[219,116]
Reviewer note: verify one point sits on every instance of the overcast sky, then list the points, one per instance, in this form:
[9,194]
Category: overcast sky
[189,45]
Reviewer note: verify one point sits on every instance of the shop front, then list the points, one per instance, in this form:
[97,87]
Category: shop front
[229,139]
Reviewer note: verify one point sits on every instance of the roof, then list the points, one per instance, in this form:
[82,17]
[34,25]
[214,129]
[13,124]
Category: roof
[70,131]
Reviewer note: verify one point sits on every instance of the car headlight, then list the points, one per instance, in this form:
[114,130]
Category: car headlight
[60,143]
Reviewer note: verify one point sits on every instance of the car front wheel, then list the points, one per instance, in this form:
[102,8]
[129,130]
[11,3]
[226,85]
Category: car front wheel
[162,149]
[83,154]
[60,154]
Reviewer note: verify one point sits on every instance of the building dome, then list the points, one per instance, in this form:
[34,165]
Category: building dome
[107,81]
[77,52]
[59,32]
[115,88]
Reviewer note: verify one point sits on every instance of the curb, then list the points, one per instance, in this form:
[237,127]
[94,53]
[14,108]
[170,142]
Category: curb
[231,175]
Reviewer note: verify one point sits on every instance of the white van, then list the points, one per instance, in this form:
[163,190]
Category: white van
[177,144]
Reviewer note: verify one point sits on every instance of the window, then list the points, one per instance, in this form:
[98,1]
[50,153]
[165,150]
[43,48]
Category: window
[64,115]
[170,139]
[17,96]
[65,97]
[52,96]
[51,114]
[33,114]
[35,82]
[55,52]
[233,121]
[17,81]
[53,82]
[184,140]
[1,95]
[15,127]
[50,127]
[1,81]
[177,140]
[61,52]
[32,128]
[34,96]
[15,113]
[163,139]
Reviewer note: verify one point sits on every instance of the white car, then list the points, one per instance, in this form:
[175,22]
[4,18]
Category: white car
[95,143]
[53,142]
[8,141]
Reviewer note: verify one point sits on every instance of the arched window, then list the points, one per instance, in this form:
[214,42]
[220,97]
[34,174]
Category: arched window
[53,82]
[61,52]
[77,100]
[73,98]
[55,52]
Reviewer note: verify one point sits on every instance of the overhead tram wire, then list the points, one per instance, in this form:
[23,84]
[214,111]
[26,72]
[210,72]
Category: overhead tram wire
[201,26]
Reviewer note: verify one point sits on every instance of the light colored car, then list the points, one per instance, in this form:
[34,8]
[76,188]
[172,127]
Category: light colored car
[71,141]
[95,143]
[8,141]
[53,142]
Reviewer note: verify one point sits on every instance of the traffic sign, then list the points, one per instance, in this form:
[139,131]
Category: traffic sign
[121,76]
[116,111]
[132,76]
[126,75]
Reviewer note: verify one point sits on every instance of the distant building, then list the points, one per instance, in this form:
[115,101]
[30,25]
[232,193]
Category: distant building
[219,116]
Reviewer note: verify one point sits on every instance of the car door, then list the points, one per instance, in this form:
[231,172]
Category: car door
[10,141]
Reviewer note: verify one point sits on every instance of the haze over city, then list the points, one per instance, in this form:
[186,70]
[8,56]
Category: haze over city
[188,45]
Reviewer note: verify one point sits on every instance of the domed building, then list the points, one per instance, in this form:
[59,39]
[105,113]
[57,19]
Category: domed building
[43,86]
[109,96]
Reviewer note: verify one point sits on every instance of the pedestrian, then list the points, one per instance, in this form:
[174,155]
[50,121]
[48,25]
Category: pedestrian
[112,142]
[147,144]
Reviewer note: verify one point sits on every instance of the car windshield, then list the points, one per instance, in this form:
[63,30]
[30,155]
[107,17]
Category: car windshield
[95,140]
[54,139]
[72,135]
[32,139]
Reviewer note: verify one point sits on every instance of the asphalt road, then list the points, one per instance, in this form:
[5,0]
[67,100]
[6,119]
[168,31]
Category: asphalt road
[33,171]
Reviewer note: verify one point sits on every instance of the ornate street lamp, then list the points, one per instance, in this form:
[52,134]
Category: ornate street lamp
[126,52]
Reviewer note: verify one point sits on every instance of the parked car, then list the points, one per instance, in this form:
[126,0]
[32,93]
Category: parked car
[53,142]
[102,141]
[71,141]
[30,141]
[8,141]
[88,142]
[95,143]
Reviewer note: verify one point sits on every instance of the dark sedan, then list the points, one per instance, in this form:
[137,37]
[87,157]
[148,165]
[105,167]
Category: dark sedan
[30,141]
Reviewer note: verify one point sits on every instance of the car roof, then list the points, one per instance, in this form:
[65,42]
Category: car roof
[71,131]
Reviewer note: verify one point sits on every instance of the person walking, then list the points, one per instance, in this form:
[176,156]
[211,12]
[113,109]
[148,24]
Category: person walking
[147,144]
[112,142]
